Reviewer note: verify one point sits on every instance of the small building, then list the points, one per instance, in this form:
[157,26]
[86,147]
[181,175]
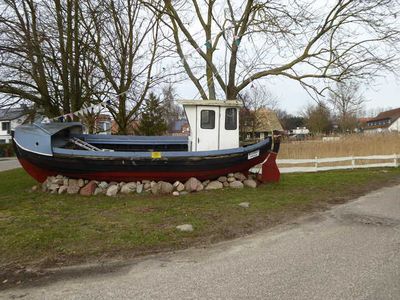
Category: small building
[97,123]
[214,124]
[387,121]
[180,128]
[300,130]
[257,125]
[103,124]
[9,119]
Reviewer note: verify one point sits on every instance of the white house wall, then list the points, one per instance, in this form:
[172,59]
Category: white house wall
[4,135]
[395,126]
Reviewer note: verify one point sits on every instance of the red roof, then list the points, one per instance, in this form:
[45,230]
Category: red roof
[364,120]
[392,114]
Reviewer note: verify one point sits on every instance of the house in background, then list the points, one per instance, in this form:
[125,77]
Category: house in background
[259,124]
[97,123]
[300,133]
[9,119]
[180,128]
[103,124]
[387,121]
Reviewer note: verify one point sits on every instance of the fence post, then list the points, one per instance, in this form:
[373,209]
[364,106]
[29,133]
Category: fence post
[353,162]
[395,161]
[316,164]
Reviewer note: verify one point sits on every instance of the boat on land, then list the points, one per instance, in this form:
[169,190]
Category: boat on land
[211,150]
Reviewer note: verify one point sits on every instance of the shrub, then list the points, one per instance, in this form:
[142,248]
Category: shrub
[6,150]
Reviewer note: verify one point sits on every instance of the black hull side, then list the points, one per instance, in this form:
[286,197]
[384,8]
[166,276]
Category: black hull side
[122,169]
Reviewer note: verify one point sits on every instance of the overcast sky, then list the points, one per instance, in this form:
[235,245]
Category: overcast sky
[384,94]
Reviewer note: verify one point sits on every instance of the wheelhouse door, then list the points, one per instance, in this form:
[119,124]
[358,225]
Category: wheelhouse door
[207,128]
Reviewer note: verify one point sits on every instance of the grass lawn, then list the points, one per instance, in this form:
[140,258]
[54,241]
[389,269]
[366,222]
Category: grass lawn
[38,229]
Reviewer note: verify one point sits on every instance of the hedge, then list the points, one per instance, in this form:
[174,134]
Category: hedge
[6,150]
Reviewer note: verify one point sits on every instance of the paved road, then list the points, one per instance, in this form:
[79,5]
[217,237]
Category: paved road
[9,163]
[349,252]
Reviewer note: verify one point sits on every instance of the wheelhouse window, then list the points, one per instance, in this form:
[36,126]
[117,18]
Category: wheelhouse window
[230,119]
[207,119]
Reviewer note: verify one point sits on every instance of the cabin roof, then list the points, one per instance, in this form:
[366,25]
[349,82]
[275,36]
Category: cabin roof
[224,103]
[48,129]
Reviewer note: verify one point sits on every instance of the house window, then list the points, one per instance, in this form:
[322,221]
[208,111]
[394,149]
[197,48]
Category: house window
[5,126]
[207,119]
[2,141]
[230,119]
[104,126]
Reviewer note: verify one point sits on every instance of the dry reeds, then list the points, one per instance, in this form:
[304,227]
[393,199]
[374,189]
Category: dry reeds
[349,145]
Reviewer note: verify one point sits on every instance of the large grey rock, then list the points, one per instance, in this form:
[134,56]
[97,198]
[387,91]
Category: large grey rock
[179,186]
[185,228]
[112,190]
[192,184]
[236,184]
[165,187]
[73,189]
[206,182]
[155,188]
[103,185]
[53,187]
[240,176]
[63,189]
[244,204]
[231,179]
[214,185]
[222,179]
[81,182]
[73,182]
[147,186]
[226,184]
[200,188]
[98,191]
[129,188]
[139,188]
[59,179]
[250,183]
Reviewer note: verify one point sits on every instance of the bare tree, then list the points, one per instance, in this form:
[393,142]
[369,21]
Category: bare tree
[172,111]
[306,41]
[126,40]
[255,99]
[347,102]
[43,57]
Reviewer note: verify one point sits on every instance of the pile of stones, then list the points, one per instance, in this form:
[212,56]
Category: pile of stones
[63,185]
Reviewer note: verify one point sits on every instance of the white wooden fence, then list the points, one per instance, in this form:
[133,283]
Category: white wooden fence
[390,161]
